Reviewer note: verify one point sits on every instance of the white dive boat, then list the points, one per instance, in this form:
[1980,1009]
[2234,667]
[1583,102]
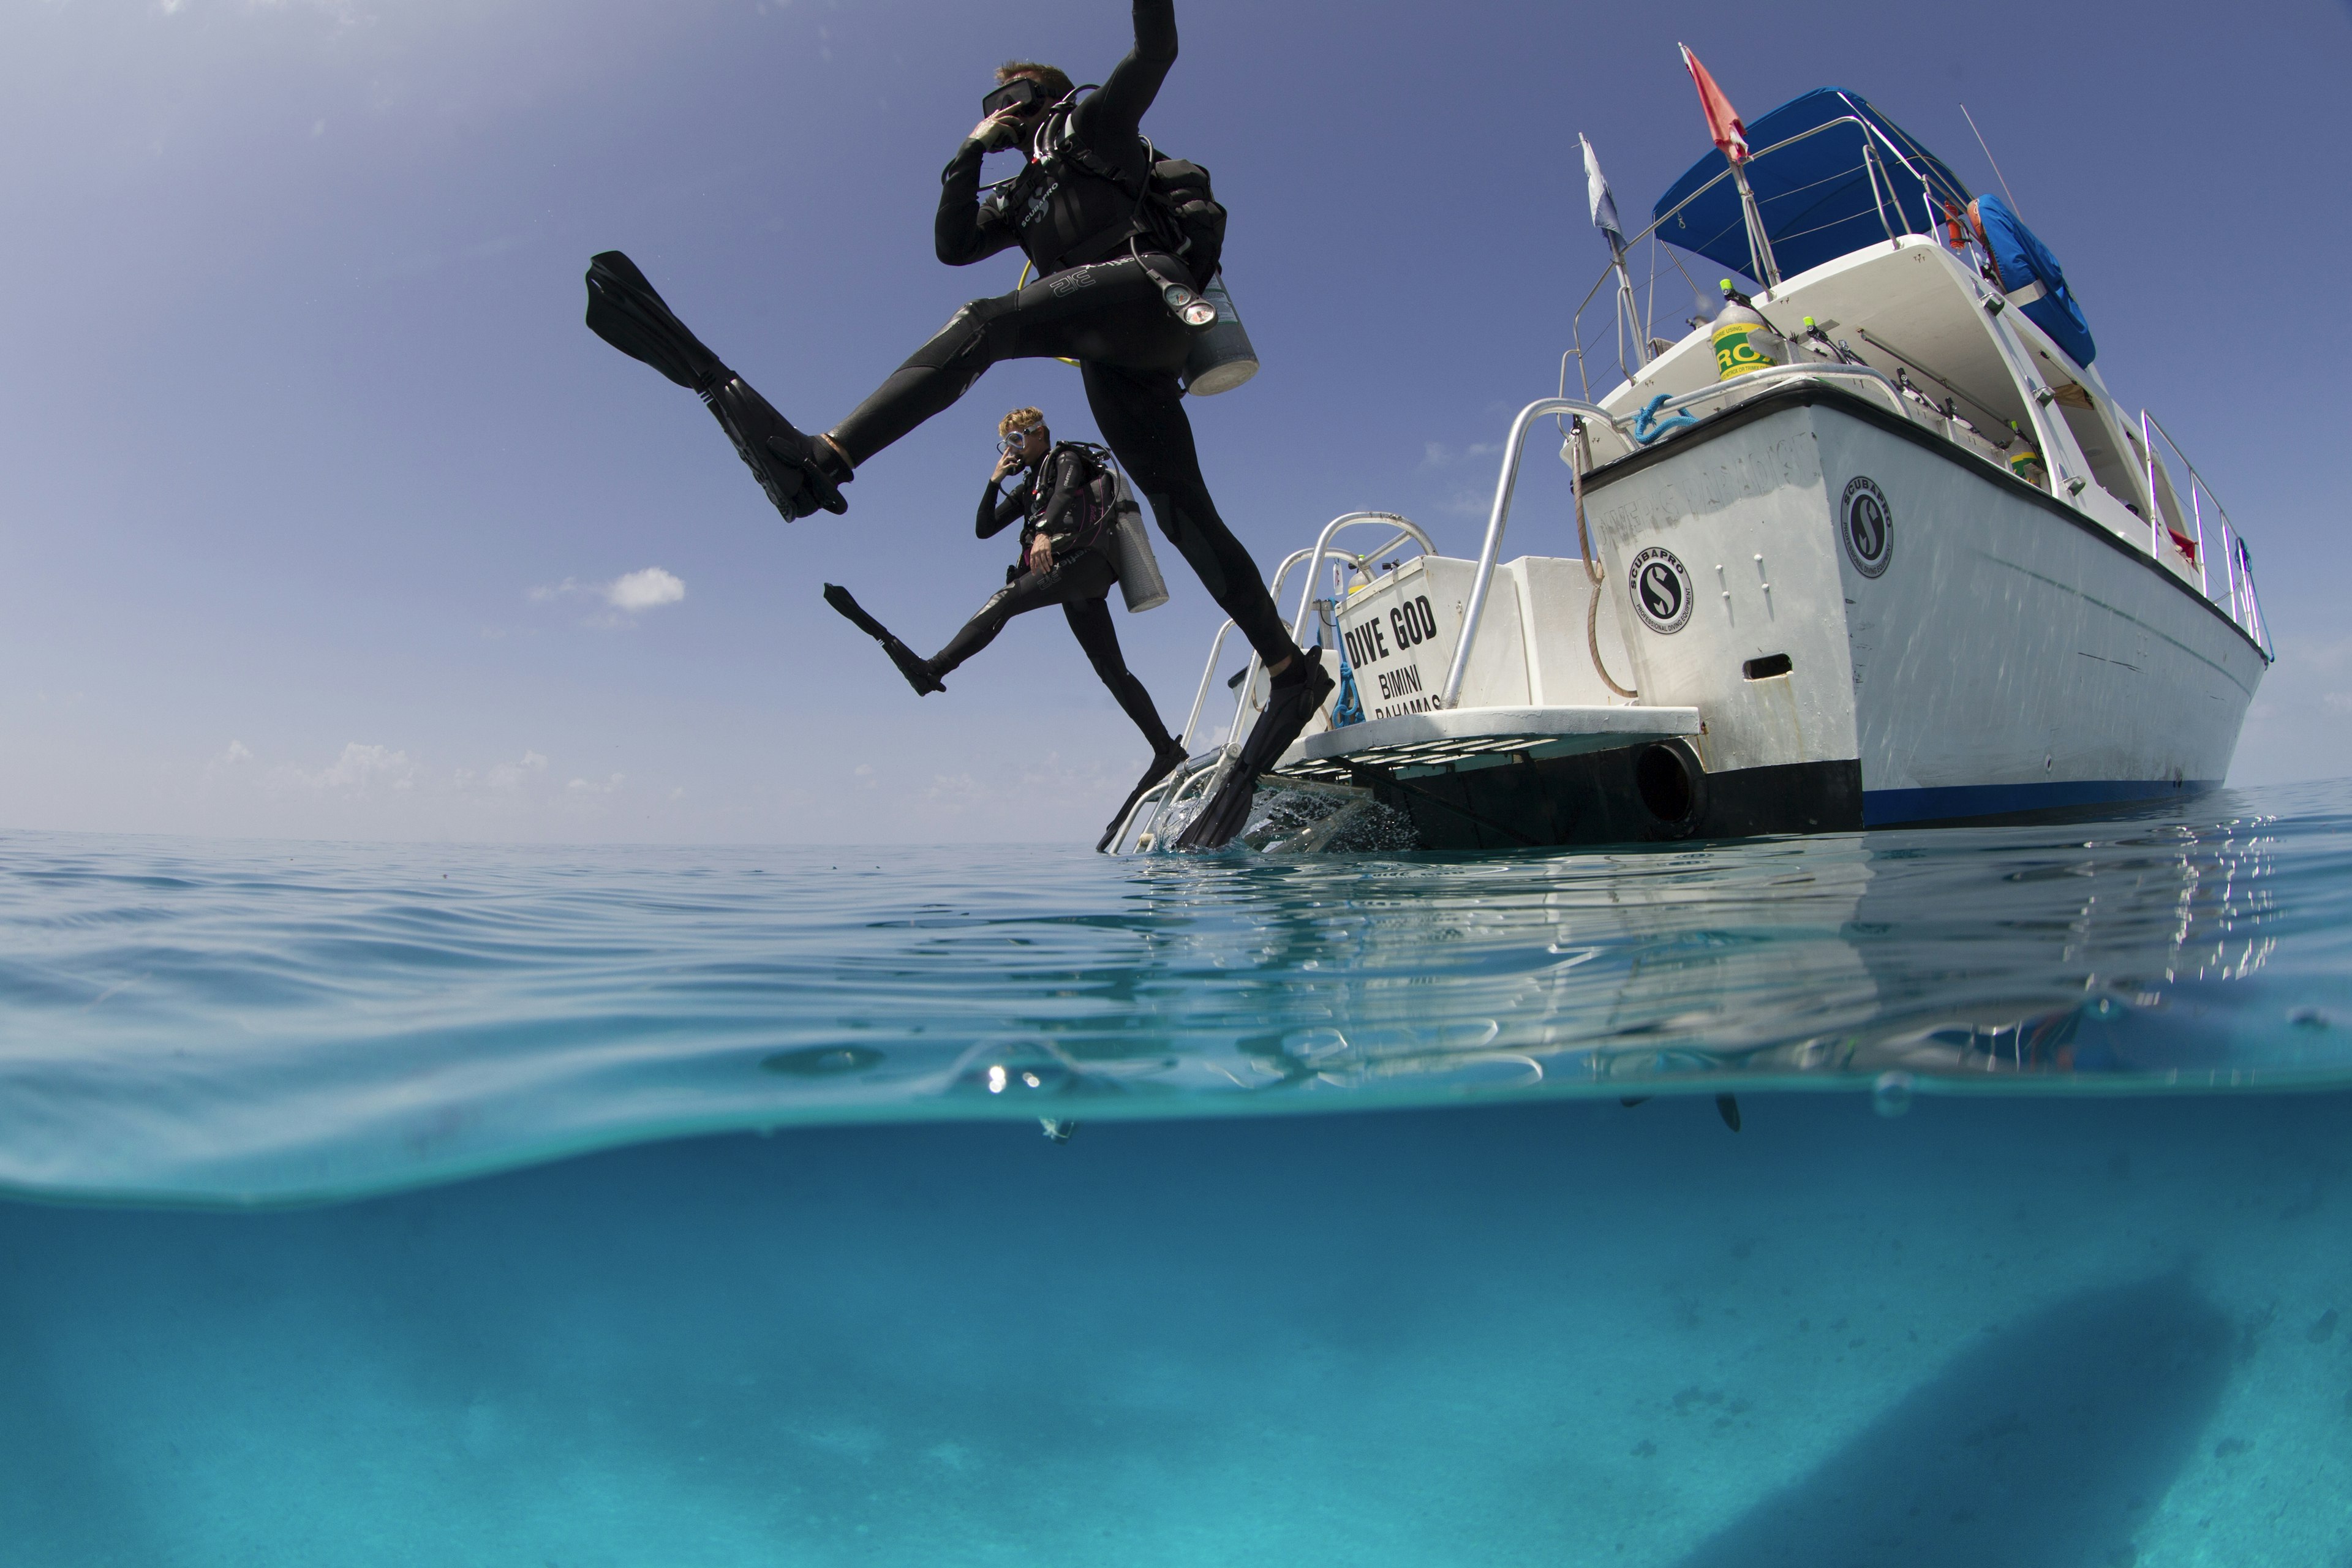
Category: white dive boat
[1876,547]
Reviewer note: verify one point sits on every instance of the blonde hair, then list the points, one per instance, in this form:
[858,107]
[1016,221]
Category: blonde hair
[1054,79]
[1019,419]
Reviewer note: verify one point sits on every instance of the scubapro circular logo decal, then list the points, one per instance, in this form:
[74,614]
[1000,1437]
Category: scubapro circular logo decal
[1661,591]
[1869,526]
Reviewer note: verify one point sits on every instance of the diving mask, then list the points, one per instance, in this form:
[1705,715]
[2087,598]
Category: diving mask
[1021,93]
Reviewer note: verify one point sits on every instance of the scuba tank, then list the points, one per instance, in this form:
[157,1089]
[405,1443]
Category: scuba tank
[1129,548]
[1743,340]
[2025,462]
[1221,357]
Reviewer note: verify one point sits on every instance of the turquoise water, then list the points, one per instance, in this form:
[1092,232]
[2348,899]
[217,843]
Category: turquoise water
[2029,1247]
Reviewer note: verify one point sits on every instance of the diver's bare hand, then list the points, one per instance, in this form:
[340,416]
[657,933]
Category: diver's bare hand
[996,131]
[1041,555]
[1007,464]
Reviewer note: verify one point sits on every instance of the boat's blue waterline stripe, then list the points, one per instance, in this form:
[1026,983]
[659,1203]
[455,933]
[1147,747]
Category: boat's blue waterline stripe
[1883,807]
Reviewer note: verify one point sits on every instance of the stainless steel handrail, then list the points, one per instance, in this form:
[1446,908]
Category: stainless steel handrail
[2244,611]
[1345,519]
[1783,373]
[1410,530]
[1200,697]
[1514,447]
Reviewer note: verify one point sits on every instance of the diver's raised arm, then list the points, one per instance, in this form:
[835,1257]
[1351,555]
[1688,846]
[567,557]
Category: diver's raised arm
[967,229]
[1117,108]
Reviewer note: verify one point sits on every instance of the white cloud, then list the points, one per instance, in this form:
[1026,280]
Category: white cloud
[510,775]
[236,754]
[629,593]
[581,786]
[358,769]
[643,590]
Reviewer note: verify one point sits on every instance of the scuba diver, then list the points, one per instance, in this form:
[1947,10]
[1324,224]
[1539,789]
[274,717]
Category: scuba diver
[1066,504]
[1118,261]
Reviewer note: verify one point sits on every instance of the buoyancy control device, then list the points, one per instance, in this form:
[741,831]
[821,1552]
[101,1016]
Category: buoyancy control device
[1175,210]
[1112,522]
[1175,206]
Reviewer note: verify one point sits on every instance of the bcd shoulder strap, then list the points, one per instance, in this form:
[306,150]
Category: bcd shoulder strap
[1174,205]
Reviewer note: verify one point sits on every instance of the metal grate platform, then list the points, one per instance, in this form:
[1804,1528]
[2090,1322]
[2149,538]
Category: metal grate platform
[1411,743]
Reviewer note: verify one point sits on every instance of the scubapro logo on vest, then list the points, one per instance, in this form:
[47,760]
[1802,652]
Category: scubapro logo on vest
[1869,529]
[1661,591]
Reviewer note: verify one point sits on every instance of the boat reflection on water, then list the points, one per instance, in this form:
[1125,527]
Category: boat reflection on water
[2115,955]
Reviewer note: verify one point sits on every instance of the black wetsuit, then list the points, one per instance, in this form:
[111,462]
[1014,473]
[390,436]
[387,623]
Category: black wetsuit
[1080,581]
[1104,313]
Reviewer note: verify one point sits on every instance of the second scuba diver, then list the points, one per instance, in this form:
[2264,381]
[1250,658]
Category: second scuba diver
[1064,505]
[1111,252]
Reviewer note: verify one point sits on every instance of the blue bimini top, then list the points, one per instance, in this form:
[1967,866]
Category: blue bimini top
[1815,197]
[2027,268]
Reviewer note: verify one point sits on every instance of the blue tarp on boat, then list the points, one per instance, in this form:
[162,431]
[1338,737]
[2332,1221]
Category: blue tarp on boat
[2023,261]
[1816,196]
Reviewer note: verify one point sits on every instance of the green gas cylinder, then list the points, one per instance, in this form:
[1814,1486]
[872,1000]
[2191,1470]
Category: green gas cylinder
[1744,341]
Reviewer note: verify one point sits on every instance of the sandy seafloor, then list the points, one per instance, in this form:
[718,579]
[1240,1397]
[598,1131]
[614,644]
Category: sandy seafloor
[2057,1330]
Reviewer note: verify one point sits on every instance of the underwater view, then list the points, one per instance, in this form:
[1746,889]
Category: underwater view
[588,978]
[1934,1196]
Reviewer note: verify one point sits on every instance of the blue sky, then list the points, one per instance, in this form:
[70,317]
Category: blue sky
[324,516]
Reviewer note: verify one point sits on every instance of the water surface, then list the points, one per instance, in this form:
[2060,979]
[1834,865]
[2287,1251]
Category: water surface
[230,1022]
[2083,1299]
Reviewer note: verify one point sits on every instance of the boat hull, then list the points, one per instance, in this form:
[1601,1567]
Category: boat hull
[1879,629]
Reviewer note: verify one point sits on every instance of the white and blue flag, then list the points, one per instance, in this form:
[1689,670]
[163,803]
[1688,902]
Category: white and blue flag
[1596,190]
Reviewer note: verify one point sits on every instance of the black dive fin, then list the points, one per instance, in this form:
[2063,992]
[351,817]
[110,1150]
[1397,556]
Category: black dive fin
[1728,1109]
[1289,705]
[1164,762]
[911,665]
[914,666]
[624,311]
[854,613]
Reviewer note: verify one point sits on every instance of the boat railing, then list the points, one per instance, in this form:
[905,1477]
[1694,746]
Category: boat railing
[2234,595]
[1882,190]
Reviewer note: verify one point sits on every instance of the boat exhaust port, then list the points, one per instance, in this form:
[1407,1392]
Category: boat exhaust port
[1765,669]
[1673,787]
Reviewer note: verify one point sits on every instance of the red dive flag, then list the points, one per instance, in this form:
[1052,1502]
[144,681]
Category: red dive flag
[1722,120]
